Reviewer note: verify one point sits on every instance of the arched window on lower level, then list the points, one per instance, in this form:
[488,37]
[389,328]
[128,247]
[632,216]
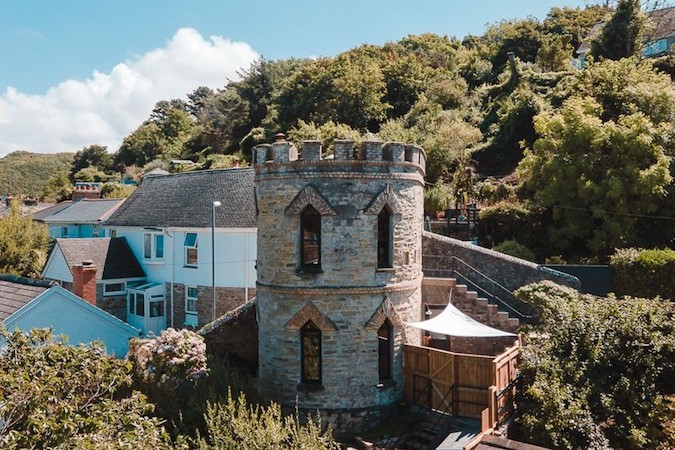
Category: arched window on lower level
[384,350]
[310,353]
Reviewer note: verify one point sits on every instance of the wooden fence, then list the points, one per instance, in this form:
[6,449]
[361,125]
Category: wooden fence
[461,384]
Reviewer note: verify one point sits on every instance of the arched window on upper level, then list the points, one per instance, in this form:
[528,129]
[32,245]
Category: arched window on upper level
[385,245]
[310,354]
[310,239]
[384,350]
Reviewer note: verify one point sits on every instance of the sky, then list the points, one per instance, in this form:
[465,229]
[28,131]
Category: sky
[80,72]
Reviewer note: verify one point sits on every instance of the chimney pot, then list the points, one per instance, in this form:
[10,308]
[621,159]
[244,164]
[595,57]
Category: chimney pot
[280,137]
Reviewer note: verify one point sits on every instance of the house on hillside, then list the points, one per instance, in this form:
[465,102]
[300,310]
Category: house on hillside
[657,40]
[26,304]
[118,269]
[80,219]
[171,224]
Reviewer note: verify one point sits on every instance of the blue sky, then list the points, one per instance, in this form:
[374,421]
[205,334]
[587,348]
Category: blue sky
[76,72]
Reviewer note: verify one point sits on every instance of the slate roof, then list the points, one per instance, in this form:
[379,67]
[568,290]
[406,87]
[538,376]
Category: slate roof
[111,254]
[16,292]
[42,214]
[88,210]
[664,24]
[185,200]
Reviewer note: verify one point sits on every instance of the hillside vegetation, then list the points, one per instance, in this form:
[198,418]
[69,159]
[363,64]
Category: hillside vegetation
[27,173]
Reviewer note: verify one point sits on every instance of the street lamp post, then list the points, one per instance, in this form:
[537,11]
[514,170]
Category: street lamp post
[214,205]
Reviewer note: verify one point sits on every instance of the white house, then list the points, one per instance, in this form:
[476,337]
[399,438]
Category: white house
[26,304]
[171,223]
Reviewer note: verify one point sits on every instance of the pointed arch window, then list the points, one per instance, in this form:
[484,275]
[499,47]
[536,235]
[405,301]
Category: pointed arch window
[310,239]
[384,239]
[310,354]
[384,350]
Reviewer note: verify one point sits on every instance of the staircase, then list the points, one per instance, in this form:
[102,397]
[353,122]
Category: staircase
[438,291]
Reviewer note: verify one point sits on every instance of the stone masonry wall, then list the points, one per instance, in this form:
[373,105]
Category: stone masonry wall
[227,299]
[234,334]
[508,271]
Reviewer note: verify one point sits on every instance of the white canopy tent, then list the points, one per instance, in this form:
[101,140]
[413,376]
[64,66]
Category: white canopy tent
[453,322]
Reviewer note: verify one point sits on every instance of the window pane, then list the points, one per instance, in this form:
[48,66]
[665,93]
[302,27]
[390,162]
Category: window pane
[310,342]
[191,256]
[157,309]
[132,303]
[192,292]
[310,224]
[384,246]
[384,351]
[191,305]
[147,245]
[113,287]
[159,246]
[140,304]
[190,239]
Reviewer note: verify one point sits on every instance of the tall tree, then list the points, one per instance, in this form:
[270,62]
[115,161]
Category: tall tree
[92,156]
[622,34]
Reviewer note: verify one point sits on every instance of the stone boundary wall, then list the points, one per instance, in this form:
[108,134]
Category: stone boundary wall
[510,272]
[234,334]
[227,299]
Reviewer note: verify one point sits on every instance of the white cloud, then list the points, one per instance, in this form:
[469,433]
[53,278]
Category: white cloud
[107,107]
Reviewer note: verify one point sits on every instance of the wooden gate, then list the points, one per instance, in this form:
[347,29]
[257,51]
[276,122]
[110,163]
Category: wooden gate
[456,383]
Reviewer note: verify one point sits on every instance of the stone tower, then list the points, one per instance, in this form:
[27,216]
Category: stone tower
[339,275]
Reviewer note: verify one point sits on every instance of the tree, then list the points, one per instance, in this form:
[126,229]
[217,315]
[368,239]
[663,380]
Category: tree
[58,188]
[96,156]
[597,371]
[555,53]
[53,395]
[598,177]
[622,34]
[143,145]
[23,244]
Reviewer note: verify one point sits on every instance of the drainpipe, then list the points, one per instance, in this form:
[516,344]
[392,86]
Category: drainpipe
[246,266]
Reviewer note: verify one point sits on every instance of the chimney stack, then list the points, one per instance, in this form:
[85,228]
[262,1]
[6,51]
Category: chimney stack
[84,281]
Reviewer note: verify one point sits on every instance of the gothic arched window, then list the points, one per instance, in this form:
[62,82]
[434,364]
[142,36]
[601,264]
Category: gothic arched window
[310,354]
[384,239]
[310,239]
[384,350]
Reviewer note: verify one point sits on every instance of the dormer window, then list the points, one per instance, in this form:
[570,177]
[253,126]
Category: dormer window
[191,250]
[384,239]
[310,239]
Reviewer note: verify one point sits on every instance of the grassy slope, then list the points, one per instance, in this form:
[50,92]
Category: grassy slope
[27,173]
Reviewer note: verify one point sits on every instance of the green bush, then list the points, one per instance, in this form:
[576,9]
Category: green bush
[644,273]
[437,198]
[235,424]
[512,221]
[513,248]
[597,372]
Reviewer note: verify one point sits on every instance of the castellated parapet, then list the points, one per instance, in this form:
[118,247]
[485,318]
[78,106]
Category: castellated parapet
[339,275]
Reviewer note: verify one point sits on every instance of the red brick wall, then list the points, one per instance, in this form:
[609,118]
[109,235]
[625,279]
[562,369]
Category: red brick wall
[84,282]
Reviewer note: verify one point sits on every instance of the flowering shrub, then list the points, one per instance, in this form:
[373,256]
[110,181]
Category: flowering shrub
[174,356]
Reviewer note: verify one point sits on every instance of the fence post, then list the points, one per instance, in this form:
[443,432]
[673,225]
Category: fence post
[493,406]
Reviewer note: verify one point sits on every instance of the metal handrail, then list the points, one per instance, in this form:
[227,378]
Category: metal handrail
[494,284]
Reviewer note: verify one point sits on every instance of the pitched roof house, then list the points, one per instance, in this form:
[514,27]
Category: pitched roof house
[171,223]
[26,304]
[80,219]
[118,268]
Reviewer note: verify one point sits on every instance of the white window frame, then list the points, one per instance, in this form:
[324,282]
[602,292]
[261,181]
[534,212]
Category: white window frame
[151,252]
[108,293]
[191,313]
[192,246]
